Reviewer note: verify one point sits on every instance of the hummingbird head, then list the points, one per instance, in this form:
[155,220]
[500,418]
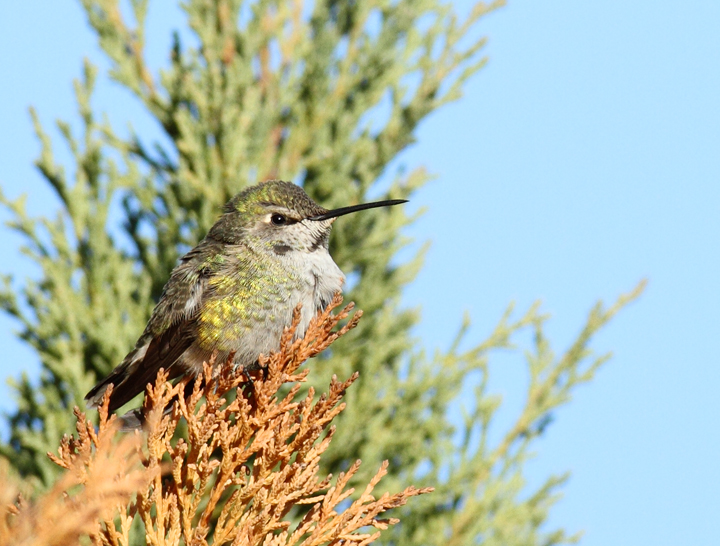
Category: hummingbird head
[280,217]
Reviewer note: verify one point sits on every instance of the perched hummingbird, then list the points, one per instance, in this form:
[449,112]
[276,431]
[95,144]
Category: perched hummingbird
[236,290]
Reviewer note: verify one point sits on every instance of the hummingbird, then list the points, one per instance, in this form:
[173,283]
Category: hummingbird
[235,292]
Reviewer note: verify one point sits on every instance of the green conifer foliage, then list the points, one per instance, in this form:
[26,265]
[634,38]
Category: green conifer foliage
[287,91]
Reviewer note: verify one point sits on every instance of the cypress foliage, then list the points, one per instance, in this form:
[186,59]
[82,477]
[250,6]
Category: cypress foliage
[286,91]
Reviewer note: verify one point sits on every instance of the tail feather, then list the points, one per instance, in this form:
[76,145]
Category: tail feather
[141,366]
[127,381]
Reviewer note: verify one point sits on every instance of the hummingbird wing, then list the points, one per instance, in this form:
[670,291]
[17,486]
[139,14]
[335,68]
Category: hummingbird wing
[170,332]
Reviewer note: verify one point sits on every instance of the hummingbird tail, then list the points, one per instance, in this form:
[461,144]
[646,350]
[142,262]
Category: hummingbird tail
[128,381]
[141,367]
[125,387]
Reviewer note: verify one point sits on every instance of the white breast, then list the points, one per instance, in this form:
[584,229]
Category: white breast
[325,280]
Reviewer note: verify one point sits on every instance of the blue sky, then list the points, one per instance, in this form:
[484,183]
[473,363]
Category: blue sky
[582,159]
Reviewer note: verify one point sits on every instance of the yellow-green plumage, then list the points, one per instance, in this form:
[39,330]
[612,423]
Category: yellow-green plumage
[242,299]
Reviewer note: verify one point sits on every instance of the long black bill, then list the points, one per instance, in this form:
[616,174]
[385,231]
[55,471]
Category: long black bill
[354,208]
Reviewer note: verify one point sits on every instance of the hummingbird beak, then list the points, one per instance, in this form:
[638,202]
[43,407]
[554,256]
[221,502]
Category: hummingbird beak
[354,208]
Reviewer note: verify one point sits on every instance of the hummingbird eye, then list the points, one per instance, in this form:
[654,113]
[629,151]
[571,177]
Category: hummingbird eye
[278,219]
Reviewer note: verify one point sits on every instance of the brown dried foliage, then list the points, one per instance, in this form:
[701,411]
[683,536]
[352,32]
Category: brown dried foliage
[240,473]
[102,474]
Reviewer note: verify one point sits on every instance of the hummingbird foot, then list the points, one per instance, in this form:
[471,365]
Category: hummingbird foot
[248,378]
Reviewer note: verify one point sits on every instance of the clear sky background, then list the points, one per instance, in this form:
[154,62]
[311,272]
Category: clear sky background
[582,159]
